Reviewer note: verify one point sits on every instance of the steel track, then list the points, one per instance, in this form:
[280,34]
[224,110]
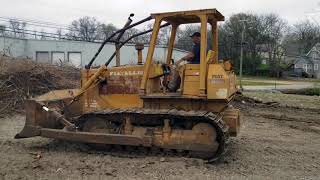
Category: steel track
[152,116]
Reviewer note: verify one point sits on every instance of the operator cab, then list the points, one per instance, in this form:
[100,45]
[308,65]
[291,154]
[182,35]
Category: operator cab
[168,80]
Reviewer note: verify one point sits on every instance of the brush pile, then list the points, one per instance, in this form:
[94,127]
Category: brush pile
[21,79]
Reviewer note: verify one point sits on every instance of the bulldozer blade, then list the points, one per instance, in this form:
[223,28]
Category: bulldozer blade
[36,118]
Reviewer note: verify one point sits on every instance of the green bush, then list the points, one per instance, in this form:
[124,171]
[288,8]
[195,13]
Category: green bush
[313,91]
[263,67]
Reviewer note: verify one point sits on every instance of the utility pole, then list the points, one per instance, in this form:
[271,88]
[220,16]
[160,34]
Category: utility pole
[241,51]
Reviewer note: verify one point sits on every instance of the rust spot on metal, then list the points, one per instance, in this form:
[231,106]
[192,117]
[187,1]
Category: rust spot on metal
[122,85]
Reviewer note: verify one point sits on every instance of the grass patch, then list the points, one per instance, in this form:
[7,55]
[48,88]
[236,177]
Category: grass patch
[246,77]
[258,83]
[313,91]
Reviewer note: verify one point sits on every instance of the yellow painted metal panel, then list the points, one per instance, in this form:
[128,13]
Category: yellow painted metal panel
[217,82]
[192,73]
[122,100]
[191,88]
[191,78]
[193,66]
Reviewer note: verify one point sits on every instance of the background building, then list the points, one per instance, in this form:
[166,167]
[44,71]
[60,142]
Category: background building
[310,63]
[77,53]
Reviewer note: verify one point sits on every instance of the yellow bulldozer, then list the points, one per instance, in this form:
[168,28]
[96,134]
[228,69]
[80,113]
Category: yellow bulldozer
[151,104]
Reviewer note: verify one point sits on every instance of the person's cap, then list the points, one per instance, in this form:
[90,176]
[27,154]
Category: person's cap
[196,34]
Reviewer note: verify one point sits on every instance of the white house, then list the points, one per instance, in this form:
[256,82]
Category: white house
[310,63]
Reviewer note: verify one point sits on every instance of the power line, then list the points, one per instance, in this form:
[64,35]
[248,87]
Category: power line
[40,25]
[35,21]
[43,32]
[34,31]
[34,34]
[39,33]
[51,35]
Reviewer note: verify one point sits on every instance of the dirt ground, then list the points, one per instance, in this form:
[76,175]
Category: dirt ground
[274,143]
[291,100]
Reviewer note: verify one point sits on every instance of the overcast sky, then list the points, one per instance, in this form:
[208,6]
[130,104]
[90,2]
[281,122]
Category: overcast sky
[116,11]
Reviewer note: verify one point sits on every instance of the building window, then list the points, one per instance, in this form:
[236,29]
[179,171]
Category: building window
[57,57]
[316,67]
[309,66]
[42,57]
[75,58]
[314,55]
[305,66]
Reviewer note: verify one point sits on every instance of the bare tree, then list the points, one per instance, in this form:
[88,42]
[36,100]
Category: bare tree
[18,28]
[230,40]
[106,30]
[164,36]
[305,34]
[145,38]
[85,29]
[2,30]
[140,39]
[43,35]
[59,33]
[273,33]
[183,37]
[130,32]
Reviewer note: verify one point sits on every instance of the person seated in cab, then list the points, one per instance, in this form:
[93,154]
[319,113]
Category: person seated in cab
[193,57]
